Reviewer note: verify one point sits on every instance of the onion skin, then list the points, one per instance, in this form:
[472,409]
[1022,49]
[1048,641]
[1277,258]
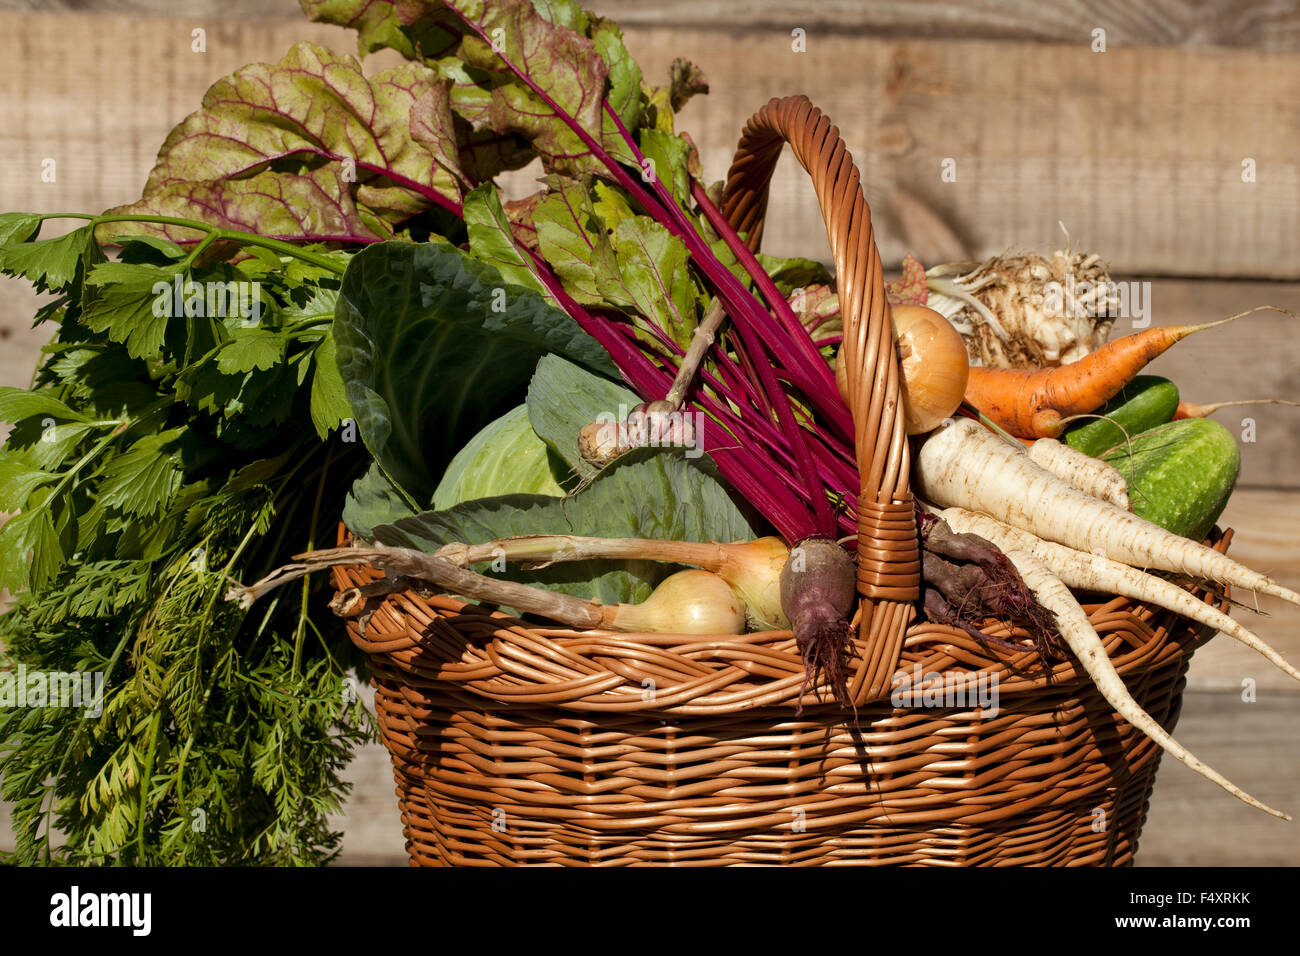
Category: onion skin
[688,602]
[935,367]
[934,363]
[753,569]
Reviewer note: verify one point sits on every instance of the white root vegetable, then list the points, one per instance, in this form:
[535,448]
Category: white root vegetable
[1091,475]
[1091,653]
[1022,311]
[1093,572]
[962,464]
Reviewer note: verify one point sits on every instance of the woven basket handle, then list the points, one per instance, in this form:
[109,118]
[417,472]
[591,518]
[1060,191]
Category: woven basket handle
[888,559]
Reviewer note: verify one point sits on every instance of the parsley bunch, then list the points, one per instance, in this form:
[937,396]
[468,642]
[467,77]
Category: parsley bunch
[186,426]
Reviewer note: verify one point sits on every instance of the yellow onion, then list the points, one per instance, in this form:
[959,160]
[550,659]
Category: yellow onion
[753,569]
[688,602]
[934,362]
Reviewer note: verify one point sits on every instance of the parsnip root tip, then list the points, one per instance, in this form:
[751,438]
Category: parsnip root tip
[1087,646]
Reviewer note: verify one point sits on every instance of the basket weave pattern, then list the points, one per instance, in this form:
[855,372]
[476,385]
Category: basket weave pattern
[517,743]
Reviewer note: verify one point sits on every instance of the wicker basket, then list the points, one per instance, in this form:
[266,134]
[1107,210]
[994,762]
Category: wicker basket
[515,743]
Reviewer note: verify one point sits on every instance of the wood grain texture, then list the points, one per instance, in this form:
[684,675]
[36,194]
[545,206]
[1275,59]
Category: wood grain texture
[371,824]
[208,9]
[103,113]
[1137,151]
[1254,357]
[1259,24]
[1191,822]
[1267,525]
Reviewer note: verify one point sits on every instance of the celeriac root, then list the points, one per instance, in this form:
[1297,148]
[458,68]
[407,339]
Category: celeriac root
[1023,311]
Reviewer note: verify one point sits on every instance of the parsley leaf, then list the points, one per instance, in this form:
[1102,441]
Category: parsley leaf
[48,263]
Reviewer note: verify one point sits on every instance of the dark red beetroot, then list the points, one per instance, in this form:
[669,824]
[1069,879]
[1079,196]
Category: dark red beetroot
[818,589]
[817,594]
[978,584]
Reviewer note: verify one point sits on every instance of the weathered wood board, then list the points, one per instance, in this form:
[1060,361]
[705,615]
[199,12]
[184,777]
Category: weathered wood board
[1191,822]
[1138,150]
[1267,526]
[1258,24]
[1257,356]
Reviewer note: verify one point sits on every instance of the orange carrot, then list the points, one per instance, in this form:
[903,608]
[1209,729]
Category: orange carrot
[1192,410]
[1036,403]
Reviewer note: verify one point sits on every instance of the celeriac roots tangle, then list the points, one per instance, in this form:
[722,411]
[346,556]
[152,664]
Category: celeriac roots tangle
[1026,311]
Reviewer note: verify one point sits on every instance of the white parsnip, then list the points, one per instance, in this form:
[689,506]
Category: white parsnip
[1101,575]
[962,464]
[1090,475]
[1087,646]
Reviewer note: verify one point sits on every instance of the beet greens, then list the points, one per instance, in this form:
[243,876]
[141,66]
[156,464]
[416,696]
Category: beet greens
[623,238]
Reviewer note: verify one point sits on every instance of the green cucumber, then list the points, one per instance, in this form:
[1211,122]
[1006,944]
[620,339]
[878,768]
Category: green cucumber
[1144,403]
[1180,474]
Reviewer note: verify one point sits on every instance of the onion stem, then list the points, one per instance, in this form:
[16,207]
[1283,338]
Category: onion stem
[686,602]
[539,550]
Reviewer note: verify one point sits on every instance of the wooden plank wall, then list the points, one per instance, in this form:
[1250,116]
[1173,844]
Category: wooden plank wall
[1257,24]
[1137,150]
